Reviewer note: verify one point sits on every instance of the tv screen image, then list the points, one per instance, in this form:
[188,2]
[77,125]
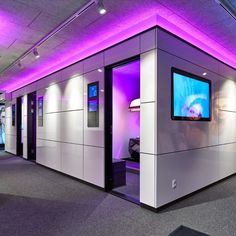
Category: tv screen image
[93,105]
[93,91]
[191,96]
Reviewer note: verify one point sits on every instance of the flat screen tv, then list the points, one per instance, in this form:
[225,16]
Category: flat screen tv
[191,97]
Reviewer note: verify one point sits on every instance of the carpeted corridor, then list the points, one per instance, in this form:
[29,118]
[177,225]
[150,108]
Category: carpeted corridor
[38,201]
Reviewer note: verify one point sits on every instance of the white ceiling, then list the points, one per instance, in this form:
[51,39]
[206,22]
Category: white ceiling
[24,22]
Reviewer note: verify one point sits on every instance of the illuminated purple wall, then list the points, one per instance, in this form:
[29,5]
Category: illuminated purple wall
[126,124]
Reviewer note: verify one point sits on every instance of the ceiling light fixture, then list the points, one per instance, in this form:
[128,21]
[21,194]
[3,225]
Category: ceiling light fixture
[19,64]
[100,70]
[204,74]
[101,9]
[228,6]
[36,53]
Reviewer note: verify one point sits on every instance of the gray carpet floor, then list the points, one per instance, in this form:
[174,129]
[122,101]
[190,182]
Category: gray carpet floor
[37,201]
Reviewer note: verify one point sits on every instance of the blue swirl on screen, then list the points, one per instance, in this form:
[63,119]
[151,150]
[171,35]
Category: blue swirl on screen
[191,97]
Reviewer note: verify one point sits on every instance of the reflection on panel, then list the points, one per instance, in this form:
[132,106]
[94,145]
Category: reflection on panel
[94,165]
[49,154]
[72,160]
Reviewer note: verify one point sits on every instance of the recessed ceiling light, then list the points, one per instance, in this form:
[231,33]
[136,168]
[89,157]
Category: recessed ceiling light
[204,73]
[100,70]
[36,54]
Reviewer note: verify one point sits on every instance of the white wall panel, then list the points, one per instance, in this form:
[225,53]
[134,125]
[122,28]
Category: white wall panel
[72,125]
[148,40]
[179,48]
[148,179]
[181,135]
[72,71]
[94,165]
[227,158]
[72,94]
[94,136]
[227,95]
[227,127]
[122,51]
[72,160]
[226,71]
[24,126]
[148,128]
[10,143]
[192,170]
[25,146]
[148,75]
[49,80]
[49,154]
[52,124]
[52,99]
[94,62]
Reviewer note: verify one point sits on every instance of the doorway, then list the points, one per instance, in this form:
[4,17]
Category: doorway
[2,126]
[122,129]
[19,126]
[31,126]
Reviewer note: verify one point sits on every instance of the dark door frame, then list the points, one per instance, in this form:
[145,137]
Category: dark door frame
[108,119]
[19,144]
[31,126]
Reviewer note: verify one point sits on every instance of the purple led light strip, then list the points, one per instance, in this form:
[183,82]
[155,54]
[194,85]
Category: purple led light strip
[171,23]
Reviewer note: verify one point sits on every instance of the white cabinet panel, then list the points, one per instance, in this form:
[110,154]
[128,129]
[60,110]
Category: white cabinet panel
[94,165]
[49,154]
[72,160]
[72,127]
[72,94]
[148,187]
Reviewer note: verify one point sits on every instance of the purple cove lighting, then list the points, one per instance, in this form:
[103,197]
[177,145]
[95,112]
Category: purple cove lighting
[156,16]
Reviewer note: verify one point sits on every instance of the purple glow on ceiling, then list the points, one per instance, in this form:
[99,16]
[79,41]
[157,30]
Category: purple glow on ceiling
[108,37]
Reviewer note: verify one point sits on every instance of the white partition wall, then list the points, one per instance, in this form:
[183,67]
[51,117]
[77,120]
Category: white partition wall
[193,154]
[10,145]
[189,154]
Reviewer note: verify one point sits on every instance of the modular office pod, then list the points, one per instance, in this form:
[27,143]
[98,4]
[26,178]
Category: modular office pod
[177,156]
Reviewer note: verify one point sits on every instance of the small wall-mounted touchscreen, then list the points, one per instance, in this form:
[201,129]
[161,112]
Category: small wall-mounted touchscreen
[93,104]
[40,111]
